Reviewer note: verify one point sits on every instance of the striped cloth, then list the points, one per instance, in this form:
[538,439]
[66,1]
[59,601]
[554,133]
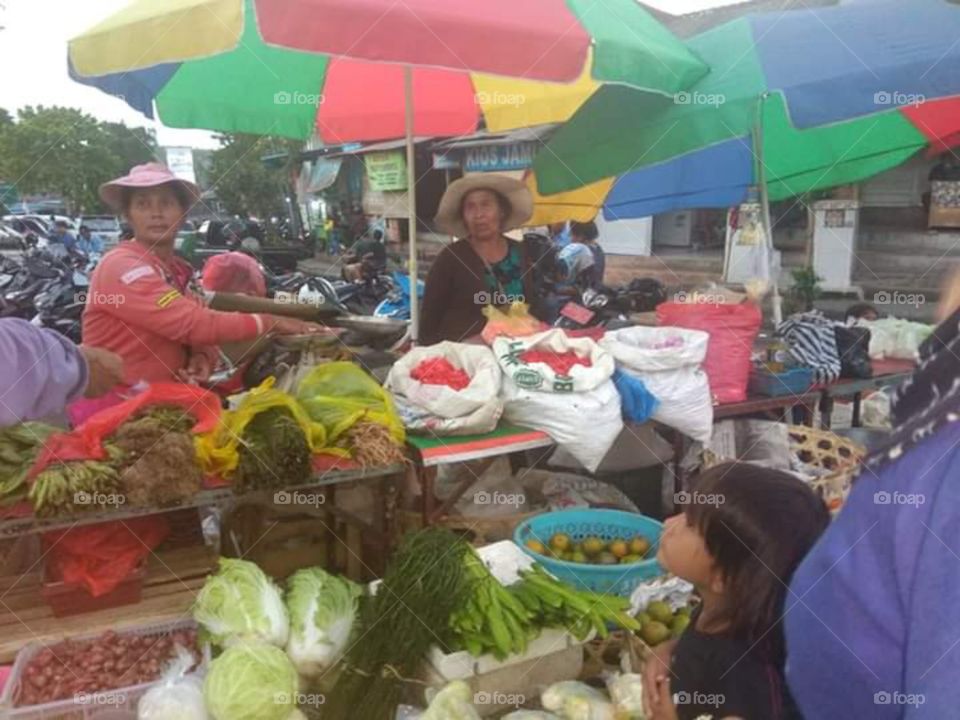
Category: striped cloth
[812,342]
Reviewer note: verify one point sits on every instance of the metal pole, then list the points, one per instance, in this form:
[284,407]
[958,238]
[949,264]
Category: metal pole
[412,199]
[765,209]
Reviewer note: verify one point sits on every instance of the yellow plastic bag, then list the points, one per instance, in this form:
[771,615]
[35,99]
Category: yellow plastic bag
[515,322]
[218,449]
[339,394]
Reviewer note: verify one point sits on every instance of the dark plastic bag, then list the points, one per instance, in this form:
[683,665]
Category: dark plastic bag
[853,347]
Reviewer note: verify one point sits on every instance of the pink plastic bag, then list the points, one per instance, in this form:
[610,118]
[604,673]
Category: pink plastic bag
[732,329]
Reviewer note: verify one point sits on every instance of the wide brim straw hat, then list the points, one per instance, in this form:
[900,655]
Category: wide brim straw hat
[449,217]
[145,176]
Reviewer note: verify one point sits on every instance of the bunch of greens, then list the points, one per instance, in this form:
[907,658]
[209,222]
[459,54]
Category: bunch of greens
[19,447]
[240,603]
[424,584]
[492,620]
[322,609]
[556,604]
[274,452]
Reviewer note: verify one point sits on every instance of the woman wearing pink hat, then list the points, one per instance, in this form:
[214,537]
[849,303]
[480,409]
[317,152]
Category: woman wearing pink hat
[140,305]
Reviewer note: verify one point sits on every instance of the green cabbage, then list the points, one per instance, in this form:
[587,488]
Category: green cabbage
[322,609]
[241,603]
[251,681]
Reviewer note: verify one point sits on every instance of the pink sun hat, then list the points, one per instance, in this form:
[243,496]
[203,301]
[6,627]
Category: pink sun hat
[145,176]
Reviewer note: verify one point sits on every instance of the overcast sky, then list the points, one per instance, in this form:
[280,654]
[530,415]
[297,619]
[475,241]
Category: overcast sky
[33,60]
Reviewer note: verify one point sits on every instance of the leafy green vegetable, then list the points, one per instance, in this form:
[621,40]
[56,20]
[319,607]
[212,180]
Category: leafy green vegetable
[251,681]
[241,603]
[322,609]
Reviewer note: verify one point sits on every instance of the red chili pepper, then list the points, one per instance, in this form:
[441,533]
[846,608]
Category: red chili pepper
[440,371]
[560,363]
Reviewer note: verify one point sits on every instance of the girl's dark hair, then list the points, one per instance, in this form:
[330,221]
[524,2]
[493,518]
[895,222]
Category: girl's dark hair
[506,207]
[127,193]
[761,525]
[587,230]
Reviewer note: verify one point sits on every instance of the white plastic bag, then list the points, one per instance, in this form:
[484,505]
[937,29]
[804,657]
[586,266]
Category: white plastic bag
[576,701]
[444,410]
[668,360]
[540,376]
[895,338]
[626,692]
[177,696]
[586,424]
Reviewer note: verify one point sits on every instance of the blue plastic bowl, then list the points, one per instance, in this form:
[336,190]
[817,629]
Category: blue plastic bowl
[605,524]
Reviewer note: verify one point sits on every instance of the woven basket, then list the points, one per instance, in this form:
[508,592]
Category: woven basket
[839,456]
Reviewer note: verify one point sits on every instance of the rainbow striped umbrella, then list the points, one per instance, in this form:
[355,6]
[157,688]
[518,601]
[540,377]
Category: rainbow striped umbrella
[287,67]
[375,69]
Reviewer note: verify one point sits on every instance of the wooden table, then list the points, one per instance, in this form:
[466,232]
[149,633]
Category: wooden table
[431,452]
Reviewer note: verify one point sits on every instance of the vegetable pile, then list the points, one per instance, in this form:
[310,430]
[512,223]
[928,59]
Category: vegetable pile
[274,452]
[371,445]
[108,662]
[557,604]
[252,681]
[71,487]
[19,447]
[159,463]
[440,371]
[560,363]
[424,584]
[322,609]
[240,604]
[502,620]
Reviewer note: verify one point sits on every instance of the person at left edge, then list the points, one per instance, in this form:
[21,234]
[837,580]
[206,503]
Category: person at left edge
[45,372]
[141,304]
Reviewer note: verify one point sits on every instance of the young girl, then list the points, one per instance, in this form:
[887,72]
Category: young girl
[739,540]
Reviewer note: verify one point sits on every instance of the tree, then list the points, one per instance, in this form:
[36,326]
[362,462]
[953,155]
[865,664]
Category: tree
[133,146]
[243,183]
[67,152]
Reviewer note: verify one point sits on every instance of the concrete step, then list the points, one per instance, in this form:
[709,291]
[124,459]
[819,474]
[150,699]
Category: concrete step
[892,240]
[926,269]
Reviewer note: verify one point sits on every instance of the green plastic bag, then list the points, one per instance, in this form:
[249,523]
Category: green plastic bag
[340,394]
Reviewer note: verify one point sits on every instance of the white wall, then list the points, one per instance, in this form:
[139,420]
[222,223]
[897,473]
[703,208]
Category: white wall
[626,237]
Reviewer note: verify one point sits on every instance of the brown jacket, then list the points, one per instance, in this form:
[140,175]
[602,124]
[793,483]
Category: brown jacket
[453,298]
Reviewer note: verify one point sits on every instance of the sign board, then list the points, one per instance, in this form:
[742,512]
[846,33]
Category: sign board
[180,162]
[446,161]
[386,171]
[517,156]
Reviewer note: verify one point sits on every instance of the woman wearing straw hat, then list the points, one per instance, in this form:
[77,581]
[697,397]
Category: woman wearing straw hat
[484,266]
[140,304]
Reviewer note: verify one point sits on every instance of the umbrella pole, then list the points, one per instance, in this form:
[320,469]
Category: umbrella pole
[765,209]
[412,200]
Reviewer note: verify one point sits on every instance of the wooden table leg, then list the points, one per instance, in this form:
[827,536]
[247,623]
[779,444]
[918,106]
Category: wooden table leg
[857,400]
[425,478]
[826,411]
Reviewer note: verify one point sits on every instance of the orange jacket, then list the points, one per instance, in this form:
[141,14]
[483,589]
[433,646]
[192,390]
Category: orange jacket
[135,308]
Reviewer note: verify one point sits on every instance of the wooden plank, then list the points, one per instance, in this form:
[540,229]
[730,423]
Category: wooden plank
[160,608]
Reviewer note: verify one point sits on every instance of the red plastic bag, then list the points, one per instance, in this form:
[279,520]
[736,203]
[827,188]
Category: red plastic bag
[234,272]
[85,442]
[732,329]
[100,557]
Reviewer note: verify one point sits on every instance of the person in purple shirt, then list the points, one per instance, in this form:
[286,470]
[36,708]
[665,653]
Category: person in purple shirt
[873,613]
[44,372]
